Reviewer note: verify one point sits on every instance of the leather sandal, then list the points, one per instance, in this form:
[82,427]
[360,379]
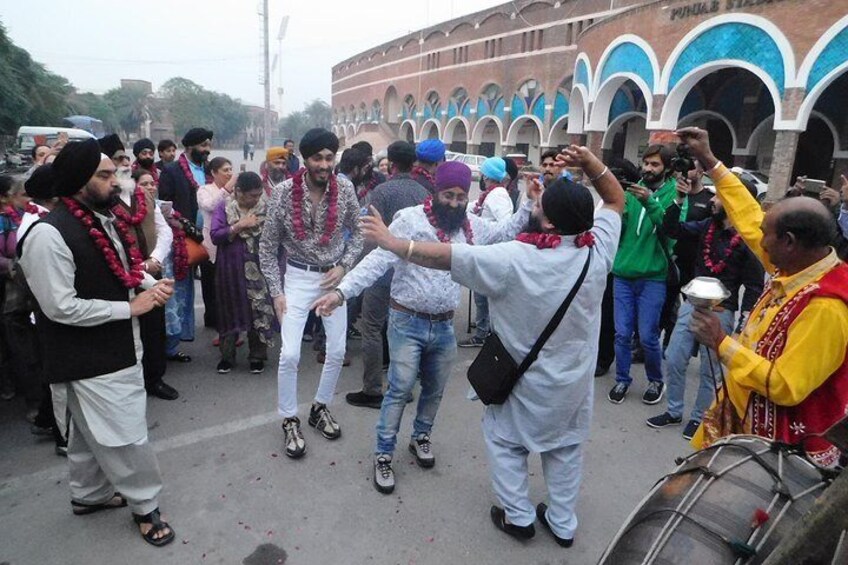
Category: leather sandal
[158,526]
[80,509]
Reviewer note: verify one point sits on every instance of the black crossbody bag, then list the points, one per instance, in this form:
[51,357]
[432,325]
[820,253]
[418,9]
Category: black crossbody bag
[494,372]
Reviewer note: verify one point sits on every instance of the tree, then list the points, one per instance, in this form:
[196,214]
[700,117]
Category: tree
[89,104]
[191,105]
[131,105]
[316,114]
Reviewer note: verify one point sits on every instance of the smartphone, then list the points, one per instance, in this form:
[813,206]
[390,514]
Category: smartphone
[167,207]
[814,185]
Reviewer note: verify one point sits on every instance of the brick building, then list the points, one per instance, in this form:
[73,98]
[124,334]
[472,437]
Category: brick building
[766,77]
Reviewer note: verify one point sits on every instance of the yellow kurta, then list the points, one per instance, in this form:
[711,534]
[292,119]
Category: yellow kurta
[816,340]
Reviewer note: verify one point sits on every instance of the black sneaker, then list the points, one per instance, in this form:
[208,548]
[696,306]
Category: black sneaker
[519,532]
[384,476]
[257,367]
[354,333]
[663,420]
[654,393]
[541,510]
[617,393]
[224,367]
[321,419]
[600,370]
[690,429]
[472,341]
[422,449]
[295,444]
[364,400]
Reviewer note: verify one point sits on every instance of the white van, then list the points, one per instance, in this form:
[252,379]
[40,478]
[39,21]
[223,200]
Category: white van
[30,136]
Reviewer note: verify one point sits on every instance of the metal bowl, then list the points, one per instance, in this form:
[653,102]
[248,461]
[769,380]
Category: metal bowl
[705,292]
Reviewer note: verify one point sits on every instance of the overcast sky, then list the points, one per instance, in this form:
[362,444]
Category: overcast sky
[216,43]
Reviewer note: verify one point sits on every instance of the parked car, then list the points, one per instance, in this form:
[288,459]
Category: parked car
[29,136]
[474,162]
[756,177]
[520,159]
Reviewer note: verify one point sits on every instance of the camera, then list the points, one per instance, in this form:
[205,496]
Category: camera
[683,162]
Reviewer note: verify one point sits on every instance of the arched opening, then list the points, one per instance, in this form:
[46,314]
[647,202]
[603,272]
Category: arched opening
[458,104]
[616,96]
[491,102]
[822,147]
[487,135]
[409,110]
[525,134]
[456,135]
[376,112]
[722,134]
[559,134]
[626,133]
[430,130]
[407,131]
[391,106]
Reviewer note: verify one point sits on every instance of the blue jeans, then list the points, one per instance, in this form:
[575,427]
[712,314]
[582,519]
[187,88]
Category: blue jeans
[416,345]
[483,326]
[679,351]
[638,301]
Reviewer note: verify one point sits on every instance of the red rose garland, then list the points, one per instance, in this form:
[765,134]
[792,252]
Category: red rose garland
[440,233]
[33,209]
[478,206]
[131,278]
[183,160]
[140,207]
[419,171]
[154,172]
[180,257]
[14,215]
[298,196]
[372,184]
[718,268]
[552,240]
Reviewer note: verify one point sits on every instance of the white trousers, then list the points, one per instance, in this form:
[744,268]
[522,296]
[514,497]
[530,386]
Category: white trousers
[97,471]
[563,470]
[302,290]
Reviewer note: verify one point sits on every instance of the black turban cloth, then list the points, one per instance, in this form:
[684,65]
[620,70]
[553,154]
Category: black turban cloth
[196,136]
[110,145]
[402,153]
[569,206]
[75,165]
[511,168]
[364,147]
[143,144]
[41,183]
[316,140]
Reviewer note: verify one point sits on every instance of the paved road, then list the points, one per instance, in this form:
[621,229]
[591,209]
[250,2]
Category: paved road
[231,494]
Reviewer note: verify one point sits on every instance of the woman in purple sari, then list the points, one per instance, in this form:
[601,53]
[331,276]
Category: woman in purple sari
[244,304]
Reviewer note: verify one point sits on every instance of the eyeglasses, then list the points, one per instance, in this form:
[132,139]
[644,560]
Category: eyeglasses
[452,197]
[124,158]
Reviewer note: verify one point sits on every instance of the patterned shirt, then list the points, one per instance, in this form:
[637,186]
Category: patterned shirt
[278,231]
[418,288]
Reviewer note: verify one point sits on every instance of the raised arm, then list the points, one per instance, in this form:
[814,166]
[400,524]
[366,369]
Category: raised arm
[597,173]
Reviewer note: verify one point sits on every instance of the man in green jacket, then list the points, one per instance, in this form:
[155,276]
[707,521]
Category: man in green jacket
[640,271]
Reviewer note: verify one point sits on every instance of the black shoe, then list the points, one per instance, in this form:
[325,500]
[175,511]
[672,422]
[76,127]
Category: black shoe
[307,338]
[690,429]
[180,357]
[321,419]
[295,445]
[541,509]
[654,392]
[617,393]
[663,420]
[519,532]
[163,391]
[224,367]
[600,370]
[257,367]
[364,400]
[354,333]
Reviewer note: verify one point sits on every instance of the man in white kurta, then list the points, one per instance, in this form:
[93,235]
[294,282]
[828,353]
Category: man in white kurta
[550,408]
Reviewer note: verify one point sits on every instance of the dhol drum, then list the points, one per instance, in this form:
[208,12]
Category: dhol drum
[730,503]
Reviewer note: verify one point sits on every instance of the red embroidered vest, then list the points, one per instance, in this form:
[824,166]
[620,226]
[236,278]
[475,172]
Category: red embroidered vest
[826,405]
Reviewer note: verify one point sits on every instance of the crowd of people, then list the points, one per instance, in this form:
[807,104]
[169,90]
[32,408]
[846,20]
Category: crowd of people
[100,252]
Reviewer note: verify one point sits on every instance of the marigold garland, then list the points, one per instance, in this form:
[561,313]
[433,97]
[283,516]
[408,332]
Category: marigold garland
[440,233]
[298,197]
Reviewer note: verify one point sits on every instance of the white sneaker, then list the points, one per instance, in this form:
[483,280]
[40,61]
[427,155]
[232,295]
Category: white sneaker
[384,476]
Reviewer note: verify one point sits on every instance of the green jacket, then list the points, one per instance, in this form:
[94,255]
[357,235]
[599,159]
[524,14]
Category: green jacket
[640,254]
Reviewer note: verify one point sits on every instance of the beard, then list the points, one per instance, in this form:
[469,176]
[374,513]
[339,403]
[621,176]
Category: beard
[198,156]
[448,218]
[101,203]
[145,164]
[652,179]
[276,175]
[719,216]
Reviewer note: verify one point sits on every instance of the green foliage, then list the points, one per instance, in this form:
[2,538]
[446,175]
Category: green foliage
[131,105]
[89,104]
[29,93]
[316,114]
[191,105]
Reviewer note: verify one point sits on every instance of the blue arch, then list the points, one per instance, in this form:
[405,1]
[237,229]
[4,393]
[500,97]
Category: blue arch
[466,109]
[452,110]
[831,57]
[539,108]
[694,102]
[581,74]
[560,106]
[629,58]
[500,112]
[518,107]
[738,41]
[621,103]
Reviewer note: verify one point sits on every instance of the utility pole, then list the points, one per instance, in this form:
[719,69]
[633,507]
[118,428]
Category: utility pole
[267,74]
[281,35]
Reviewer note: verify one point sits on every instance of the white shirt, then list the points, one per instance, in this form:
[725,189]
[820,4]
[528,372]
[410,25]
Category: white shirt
[208,198]
[496,207]
[426,290]
[551,405]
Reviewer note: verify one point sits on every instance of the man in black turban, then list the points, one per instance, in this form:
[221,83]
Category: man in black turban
[113,147]
[90,288]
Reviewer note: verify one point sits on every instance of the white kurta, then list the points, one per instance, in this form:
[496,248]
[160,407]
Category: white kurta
[496,207]
[551,405]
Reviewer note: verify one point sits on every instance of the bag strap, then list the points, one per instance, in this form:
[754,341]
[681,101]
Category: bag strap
[555,321]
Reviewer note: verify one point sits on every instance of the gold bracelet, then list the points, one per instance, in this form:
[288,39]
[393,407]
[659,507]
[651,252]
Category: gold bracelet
[409,249]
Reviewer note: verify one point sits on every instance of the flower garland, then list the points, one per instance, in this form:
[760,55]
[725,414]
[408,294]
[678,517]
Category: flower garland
[552,240]
[140,206]
[14,215]
[180,257]
[419,171]
[372,184]
[154,172]
[440,233]
[718,268]
[183,161]
[478,206]
[129,278]
[298,197]
[35,210]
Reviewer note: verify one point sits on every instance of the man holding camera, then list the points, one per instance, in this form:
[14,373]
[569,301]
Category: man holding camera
[640,272]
